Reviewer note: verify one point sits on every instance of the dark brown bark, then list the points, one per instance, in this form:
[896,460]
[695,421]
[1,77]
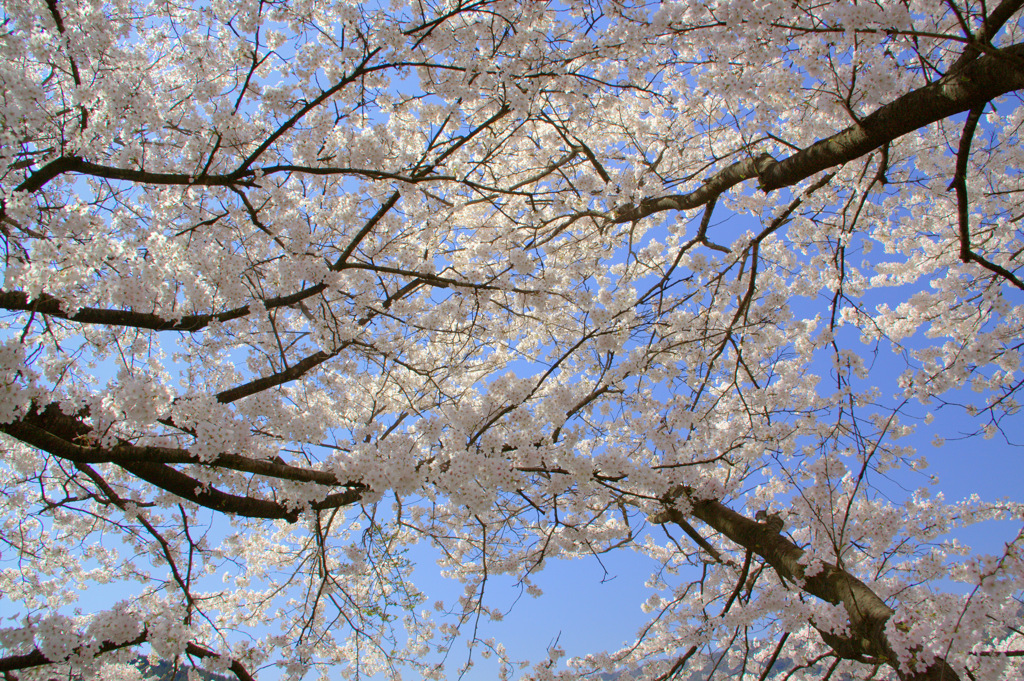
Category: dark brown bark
[36,658]
[968,87]
[69,437]
[52,306]
[292,373]
[993,23]
[717,184]
[239,670]
[867,612]
[975,84]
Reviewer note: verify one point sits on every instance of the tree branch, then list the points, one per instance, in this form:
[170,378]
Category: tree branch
[293,372]
[50,305]
[36,658]
[996,19]
[236,667]
[976,83]
[68,437]
[959,183]
[867,612]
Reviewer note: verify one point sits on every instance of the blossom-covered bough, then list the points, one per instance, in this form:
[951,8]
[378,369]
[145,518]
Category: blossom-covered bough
[290,286]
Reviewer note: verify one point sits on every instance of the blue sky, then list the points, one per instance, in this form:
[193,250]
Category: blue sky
[591,606]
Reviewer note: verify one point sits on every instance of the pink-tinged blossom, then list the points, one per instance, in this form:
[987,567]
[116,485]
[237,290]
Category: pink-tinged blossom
[295,292]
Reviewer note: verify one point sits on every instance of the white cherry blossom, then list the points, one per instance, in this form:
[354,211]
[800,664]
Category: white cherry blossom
[295,289]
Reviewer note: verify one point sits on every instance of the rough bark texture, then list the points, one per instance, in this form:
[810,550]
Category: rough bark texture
[36,658]
[976,83]
[70,438]
[53,307]
[867,612]
[970,85]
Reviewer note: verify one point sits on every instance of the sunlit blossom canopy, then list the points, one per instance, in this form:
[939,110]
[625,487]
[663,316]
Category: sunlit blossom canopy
[295,289]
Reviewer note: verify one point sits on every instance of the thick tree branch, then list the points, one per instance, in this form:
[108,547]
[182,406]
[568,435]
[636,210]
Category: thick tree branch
[36,658]
[959,183]
[237,668]
[981,81]
[976,83]
[867,612]
[292,373]
[76,164]
[718,183]
[52,306]
[996,19]
[69,438]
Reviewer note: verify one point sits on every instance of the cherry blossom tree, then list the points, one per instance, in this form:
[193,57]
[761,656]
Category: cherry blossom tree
[293,285]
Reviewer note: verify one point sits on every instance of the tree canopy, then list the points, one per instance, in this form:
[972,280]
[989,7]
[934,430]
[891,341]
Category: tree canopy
[291,286]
